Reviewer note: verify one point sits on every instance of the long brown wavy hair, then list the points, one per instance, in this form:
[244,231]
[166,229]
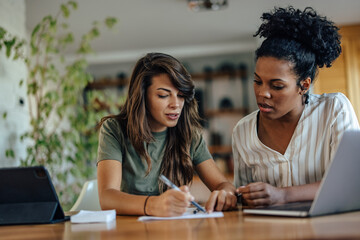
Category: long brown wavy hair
[134,117]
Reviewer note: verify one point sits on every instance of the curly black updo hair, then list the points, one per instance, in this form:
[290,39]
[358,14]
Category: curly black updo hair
[304,38]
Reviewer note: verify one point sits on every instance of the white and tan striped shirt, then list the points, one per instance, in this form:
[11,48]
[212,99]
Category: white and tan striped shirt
[311,148]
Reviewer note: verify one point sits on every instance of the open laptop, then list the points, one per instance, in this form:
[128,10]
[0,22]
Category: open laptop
[339,190]
[27,196]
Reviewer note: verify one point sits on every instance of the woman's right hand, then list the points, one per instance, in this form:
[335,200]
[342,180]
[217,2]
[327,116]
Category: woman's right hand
[170,203]
[259,194]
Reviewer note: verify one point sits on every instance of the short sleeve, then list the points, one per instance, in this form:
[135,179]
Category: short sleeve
[200,151]
[344,119]
[110,140]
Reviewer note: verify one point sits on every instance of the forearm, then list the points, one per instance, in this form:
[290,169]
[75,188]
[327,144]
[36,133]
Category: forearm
[212,177]
[263,194]
[305,192]
[123,203]
[227,186]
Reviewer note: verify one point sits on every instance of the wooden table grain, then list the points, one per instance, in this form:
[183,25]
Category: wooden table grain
[234,225]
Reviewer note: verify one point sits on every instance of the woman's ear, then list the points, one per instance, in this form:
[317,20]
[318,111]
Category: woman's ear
[305,85]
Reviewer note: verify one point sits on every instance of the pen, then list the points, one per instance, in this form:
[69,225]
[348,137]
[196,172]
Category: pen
[173,186]
[238,197]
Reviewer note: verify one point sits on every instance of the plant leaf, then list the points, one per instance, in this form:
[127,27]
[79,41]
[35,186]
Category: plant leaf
[65,11]
[94,33]
[10,153]
[36,29]
[110,22]
[73,4]
[9,44]
[2,32]
[64,25]
[69,38]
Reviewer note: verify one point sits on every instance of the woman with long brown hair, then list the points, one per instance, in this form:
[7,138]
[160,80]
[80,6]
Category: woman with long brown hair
[157,132]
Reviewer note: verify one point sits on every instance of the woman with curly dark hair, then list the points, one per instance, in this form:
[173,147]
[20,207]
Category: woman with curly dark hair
[157,132]
[282,150]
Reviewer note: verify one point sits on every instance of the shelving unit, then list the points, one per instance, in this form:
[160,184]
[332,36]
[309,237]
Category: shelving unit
[241,74]
[107,83]
[216,87]
[225,112]
[220,149]
[104,84]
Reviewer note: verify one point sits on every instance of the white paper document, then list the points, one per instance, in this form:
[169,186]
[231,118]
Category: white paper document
[93,216]
[189,214]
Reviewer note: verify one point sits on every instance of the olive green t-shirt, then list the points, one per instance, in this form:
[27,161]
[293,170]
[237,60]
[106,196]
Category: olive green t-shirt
[114,146]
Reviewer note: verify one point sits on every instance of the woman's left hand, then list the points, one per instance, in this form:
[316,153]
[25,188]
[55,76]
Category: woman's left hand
[261,194]
[220,200]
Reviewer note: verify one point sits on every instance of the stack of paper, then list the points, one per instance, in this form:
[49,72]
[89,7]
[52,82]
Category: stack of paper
[93,216]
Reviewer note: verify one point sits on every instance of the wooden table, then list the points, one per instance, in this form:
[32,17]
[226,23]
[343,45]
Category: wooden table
[235,225]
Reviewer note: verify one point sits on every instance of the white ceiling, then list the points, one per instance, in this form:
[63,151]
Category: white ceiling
[169,26]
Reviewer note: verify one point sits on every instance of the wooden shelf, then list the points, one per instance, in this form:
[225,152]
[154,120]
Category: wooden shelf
[214,113]
[220,149]
[219,75]
[107,83]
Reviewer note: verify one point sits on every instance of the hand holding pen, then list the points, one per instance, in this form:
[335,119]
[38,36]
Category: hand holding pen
[173,186]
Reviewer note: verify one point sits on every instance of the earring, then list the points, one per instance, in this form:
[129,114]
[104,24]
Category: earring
[303,91]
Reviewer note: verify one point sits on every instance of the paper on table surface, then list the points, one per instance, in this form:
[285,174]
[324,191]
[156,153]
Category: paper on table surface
[93,216]
[189,214]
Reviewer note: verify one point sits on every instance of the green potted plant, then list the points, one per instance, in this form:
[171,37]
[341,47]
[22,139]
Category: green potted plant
[62,135]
